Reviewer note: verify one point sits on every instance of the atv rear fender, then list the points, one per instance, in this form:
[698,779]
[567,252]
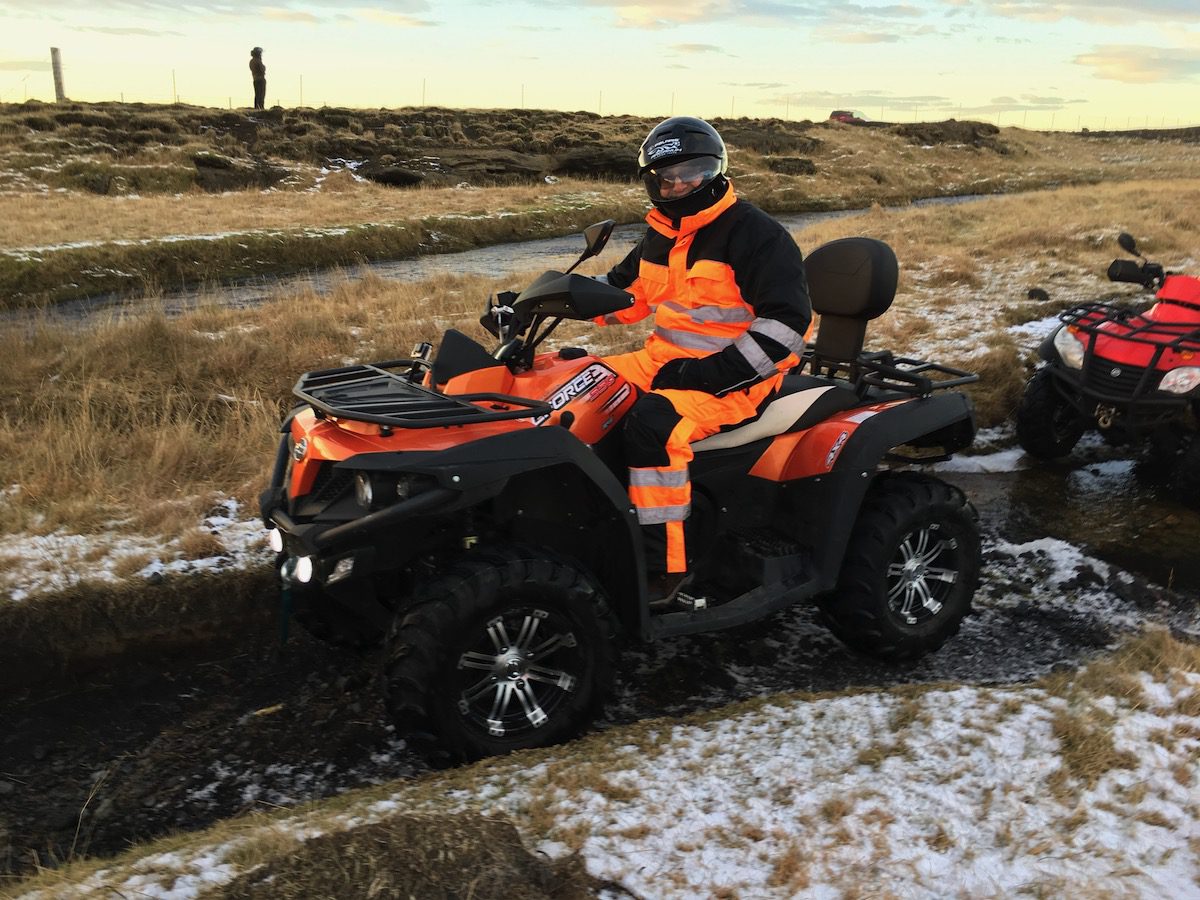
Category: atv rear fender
[942,420]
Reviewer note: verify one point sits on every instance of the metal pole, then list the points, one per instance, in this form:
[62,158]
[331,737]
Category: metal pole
[174,92]
[60,95]
[600,104]
[301,90]
[422,91]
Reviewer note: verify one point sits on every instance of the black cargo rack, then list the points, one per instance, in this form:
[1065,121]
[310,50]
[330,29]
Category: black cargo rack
[371,393]
[1177,336]
[909,376]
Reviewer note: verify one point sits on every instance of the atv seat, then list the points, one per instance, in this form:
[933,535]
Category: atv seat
[802,401]
[851,281]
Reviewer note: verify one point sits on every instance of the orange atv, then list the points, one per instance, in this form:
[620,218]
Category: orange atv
[471,511]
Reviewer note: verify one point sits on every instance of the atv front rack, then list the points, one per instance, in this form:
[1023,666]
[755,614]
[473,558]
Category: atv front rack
[1089,317]
[371,393]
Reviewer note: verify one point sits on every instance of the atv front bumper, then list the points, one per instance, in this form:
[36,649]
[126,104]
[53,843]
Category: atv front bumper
[1121,396]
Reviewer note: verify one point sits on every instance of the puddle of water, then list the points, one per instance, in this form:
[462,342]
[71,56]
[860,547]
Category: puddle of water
[493,261]
[1107,504]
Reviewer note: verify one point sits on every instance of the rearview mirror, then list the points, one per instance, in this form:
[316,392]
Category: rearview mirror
[596,236]
[1128,244]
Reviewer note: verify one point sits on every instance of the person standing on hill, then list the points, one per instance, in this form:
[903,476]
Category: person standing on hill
[258,72]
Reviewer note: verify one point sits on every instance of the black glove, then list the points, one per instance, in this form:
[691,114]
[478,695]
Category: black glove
[716,374]
[684,374]
[670,376]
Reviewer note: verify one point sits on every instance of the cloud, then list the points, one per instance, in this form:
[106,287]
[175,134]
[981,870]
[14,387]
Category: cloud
[24,65]
[874,99]
[401,20]
[1108,12]
[659,14]
[882,12]
[883,100]
[697,48]
[1023,103]
[276,14]
[280,10]
[1141,65]
[130,32]
[863,37]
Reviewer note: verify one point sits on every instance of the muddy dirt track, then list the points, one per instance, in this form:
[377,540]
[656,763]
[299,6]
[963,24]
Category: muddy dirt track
[141,749]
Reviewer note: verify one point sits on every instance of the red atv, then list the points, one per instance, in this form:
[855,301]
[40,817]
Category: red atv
[471,510]
[1133,374]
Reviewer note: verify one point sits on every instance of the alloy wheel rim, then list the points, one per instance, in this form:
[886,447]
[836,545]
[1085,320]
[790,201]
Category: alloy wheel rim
[921,575]
[519,672]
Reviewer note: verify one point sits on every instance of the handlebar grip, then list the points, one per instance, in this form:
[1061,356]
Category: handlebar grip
[1126,270]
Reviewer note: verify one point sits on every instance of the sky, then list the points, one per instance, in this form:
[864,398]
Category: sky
[1032,63]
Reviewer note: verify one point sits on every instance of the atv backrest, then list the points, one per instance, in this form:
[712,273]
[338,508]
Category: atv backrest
[850,281]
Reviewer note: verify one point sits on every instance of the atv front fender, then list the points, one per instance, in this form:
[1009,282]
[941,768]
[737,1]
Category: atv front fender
[521,474]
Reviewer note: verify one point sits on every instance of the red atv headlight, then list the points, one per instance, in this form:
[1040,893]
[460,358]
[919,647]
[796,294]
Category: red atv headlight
[1069,348]
[1183,380]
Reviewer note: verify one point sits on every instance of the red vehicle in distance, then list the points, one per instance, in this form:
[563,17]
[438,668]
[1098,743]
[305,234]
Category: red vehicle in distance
[849,116]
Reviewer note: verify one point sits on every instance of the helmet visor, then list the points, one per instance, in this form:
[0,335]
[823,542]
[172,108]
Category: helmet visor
[678,180]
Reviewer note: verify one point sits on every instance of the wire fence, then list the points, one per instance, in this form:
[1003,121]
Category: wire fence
[292,94]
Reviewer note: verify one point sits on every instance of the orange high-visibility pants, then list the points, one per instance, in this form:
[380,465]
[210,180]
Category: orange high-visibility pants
[659,430]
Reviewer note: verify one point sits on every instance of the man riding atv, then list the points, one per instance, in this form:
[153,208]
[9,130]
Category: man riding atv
[726,285]
[469,511]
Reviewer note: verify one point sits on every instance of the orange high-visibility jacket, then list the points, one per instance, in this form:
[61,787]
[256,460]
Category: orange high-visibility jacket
[726,285]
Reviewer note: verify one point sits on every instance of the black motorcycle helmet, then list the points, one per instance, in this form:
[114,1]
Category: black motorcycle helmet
[683,162]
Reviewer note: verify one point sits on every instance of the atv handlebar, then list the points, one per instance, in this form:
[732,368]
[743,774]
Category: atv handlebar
[1147,274]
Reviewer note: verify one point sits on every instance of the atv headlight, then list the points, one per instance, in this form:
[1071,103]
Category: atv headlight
[304,569]
[275,540]
[1069,347]
[363,492]
[1183,380]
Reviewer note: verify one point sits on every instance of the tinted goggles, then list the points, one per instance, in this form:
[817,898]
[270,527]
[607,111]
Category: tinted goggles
[690,171]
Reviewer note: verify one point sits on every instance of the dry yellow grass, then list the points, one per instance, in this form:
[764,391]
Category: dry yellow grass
[38,220]
[140,419]
[101,236]
[850,165]
[1051,229]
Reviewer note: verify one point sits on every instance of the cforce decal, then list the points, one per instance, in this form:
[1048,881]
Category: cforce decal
[593,377]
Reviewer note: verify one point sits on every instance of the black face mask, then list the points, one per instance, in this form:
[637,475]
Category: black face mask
[695,202]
